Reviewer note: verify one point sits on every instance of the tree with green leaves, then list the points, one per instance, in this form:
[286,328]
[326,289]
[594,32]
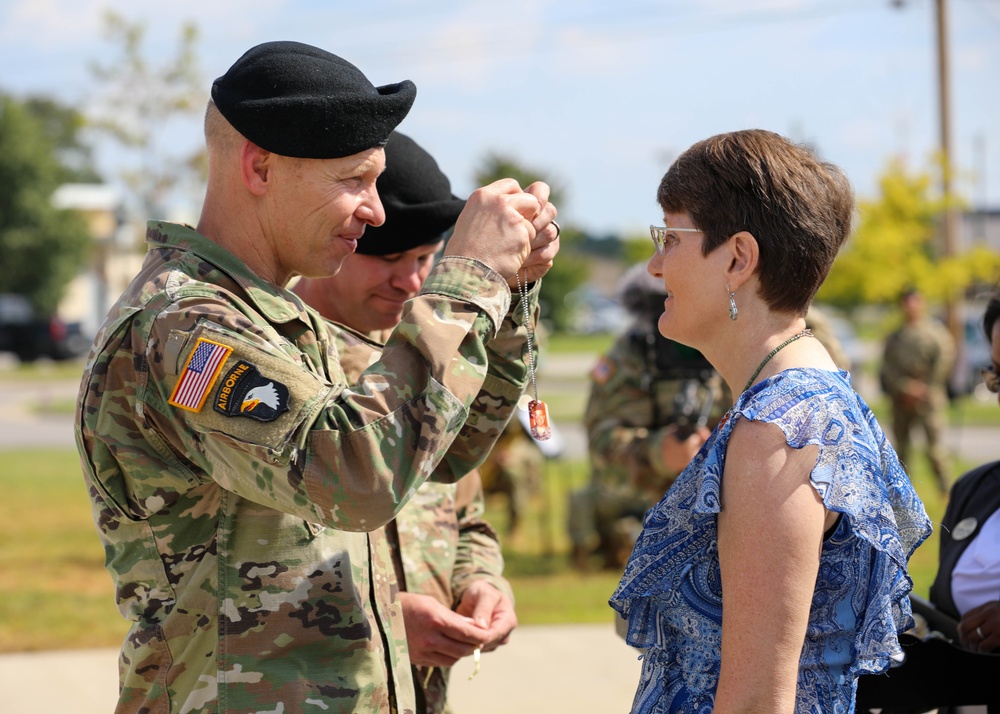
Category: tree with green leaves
[64,125]
[137,104]
[895,246]
[570,270]
[41,247]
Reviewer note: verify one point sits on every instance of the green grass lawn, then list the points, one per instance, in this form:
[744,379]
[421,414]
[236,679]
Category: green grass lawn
[563,343]
[54,591]
[43,370]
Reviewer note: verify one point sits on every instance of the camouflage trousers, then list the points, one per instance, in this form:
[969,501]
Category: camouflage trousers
[932,422]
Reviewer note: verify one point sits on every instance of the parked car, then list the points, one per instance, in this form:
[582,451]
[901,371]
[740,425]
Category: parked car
[31,336]
[594,313]
[976,354]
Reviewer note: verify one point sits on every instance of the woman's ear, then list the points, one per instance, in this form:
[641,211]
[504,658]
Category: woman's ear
[743,255]
[256,167]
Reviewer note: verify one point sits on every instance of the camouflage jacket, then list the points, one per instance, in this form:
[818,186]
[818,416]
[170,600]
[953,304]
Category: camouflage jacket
[234,475]
[631,404]
[923,351]
[440,542]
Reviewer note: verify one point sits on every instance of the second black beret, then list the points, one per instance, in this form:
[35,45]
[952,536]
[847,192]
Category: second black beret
[416,194]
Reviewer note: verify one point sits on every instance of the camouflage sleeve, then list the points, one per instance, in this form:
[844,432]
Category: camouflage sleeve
[923,352]
[345,457]
[505,382]
[625,445]
[478,555]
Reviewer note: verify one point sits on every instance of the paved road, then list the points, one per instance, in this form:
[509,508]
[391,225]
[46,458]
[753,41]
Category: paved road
[585,669]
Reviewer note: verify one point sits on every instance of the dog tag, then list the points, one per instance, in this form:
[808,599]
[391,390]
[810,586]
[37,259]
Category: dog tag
[538,417]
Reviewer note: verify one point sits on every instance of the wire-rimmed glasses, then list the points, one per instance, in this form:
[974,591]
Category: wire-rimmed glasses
[662,235]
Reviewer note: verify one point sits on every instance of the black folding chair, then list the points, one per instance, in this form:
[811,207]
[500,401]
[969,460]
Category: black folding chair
[936,672]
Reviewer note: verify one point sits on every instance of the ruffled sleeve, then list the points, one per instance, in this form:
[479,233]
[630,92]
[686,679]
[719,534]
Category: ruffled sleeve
[858,474]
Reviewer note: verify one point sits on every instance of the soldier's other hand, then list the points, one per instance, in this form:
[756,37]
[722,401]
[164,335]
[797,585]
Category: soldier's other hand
[545,244]
[491,609]
[678,452]
[436,636]
[496,227]
[979,628]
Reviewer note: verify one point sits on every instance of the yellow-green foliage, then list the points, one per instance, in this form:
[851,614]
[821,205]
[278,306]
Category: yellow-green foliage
[896,246]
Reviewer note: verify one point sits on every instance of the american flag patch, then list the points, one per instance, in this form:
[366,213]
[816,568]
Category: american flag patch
[602,371]
[199,374]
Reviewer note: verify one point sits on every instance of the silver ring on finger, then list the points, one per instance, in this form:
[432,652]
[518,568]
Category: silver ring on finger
[558,229]
[979,631]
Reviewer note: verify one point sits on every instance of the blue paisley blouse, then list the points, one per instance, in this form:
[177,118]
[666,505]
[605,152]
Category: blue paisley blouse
[671,592]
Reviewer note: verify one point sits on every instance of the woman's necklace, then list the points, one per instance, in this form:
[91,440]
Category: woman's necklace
[805,333]
[538,413]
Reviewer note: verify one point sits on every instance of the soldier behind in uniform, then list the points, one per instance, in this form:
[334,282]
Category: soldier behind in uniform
[233,472]
[447,558]
[916,365]
[653,403]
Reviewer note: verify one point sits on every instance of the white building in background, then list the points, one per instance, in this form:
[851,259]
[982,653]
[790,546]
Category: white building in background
[115,259]
[980,226]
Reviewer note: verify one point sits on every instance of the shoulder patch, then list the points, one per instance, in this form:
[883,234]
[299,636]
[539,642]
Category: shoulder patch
[246,392]
[602,371]
[199,374]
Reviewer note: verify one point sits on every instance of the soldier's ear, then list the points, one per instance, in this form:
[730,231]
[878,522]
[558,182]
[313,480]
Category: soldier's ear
[256,168]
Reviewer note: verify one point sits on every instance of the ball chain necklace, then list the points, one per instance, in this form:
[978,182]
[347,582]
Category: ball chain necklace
[805,333]
[538,413]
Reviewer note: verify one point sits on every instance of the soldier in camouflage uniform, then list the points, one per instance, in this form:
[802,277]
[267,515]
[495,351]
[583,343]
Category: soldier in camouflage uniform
[447,558]
[916,364]
[652,405]
[233,473]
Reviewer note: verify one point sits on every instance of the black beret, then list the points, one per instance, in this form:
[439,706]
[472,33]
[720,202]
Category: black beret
[300,101]
[419,204]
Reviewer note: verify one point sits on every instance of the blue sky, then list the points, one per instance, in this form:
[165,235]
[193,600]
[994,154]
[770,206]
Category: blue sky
[597,95]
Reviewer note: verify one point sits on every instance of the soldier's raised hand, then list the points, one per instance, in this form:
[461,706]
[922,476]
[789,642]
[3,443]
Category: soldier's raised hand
[496,227]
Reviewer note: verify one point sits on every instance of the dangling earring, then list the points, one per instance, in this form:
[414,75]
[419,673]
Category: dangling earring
[733,310]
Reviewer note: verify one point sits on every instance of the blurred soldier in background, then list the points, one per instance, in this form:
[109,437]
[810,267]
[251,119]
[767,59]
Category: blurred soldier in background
[916,364]
[653,403]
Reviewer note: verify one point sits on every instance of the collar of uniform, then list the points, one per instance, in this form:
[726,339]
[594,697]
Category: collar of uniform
[376,338]
[276,304]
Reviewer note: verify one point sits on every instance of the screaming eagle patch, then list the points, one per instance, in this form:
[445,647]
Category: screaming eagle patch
[246,392]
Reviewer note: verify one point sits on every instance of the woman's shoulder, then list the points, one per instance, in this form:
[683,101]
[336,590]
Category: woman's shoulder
[806,381]
[803,398]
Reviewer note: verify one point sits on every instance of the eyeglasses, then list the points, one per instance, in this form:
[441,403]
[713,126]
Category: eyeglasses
[992,379]
[664,234]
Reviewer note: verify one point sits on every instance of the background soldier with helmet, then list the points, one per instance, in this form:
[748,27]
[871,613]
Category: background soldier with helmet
[653,403]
